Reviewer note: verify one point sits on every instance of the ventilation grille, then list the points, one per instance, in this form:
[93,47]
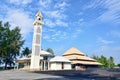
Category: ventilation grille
[37,50]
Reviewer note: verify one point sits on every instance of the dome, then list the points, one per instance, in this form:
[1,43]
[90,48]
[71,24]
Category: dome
[59,59]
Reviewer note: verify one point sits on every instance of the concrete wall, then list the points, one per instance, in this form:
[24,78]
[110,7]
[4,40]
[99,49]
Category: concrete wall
[53,66]
[67,66]
[59,66]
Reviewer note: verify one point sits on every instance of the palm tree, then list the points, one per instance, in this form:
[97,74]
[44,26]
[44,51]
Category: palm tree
[26,51]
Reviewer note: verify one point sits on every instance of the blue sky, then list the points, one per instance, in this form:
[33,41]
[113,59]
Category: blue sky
[92,26]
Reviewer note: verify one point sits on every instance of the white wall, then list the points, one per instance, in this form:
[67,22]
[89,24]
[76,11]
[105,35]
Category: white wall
[67,66]
[58,66]
[53,66]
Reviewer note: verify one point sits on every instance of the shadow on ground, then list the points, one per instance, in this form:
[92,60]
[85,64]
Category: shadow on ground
[90,74]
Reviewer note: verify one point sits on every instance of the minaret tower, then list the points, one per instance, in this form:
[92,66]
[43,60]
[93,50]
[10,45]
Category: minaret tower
[36,45]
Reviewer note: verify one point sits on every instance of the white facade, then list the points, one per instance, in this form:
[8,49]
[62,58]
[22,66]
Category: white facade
[67,66]
[60,63]
[24,63]
[36,45]
[60,66]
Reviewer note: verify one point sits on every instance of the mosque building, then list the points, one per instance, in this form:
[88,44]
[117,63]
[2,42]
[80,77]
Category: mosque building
[42,60]
[79,59]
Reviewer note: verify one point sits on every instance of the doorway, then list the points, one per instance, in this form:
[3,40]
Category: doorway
[62,65]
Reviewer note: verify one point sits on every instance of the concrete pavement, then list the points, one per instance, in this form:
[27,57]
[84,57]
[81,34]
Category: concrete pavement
[23,75]
[90,74]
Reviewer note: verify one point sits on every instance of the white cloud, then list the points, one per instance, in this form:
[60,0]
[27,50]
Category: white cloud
[61,23]
[112,13]
[59,35]
[45,3]
[80,13]
[93,4]
[20,18]
[112,4]
[55,35]
[110,10]
[46,37]
[54,12]
[81,20]
[76,33]
[49,23]
[55,18]
[18,2]
[115,33]
[104,42]
[61,5]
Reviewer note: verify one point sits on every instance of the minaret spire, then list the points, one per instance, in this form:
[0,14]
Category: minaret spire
[38,19]
[39,14]
[36,45]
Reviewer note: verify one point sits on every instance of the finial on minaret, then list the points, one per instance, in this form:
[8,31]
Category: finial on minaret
[39,14]
[38,20]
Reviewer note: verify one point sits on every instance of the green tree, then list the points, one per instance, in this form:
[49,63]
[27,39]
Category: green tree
[2,38]
[96,58]
[118,65]
[50,51]
[111,62]
[103,60]
[106,63]
[10,43]
[26,51]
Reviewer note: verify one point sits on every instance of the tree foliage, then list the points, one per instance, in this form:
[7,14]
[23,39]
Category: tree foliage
[50,51]
[106,63]
[118,65]
[111,62]
[25,52]
[10,43]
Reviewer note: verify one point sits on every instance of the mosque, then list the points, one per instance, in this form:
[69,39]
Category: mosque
[42,60]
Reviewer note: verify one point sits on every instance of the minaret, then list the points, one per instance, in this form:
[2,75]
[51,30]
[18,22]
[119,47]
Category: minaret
[36,45]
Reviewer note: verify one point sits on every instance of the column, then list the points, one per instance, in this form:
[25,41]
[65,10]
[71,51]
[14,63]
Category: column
[48,65]
[44,65]
[17,66]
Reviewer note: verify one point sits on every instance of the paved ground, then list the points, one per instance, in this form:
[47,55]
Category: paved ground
[23,75]
[90,74]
